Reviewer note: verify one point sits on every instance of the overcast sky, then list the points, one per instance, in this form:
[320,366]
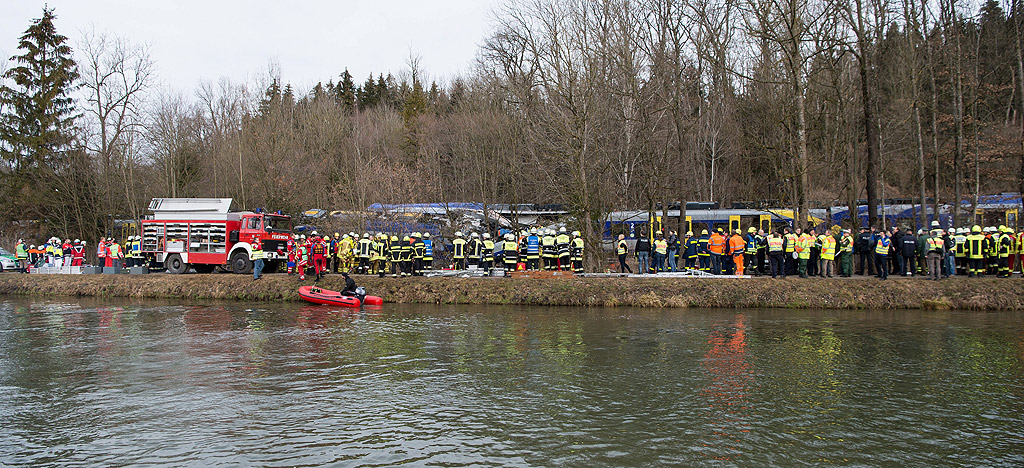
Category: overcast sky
[309,40]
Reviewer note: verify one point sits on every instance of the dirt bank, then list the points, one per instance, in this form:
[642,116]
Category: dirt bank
[958,293]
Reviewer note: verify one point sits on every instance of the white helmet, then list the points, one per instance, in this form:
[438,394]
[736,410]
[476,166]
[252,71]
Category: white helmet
[561,229]
[458,233]
[508,236]
[366,235]
[533,230]
[576,233]
[487,235]
[83,242]
[77,241]
[474,235]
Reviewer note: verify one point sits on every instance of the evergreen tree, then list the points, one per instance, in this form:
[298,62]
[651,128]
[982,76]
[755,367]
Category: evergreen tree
[37,127]
[367,94]
[318,91]
[271,98]
[386,90]
[345,93]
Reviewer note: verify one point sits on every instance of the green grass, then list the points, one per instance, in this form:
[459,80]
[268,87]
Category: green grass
[815,293]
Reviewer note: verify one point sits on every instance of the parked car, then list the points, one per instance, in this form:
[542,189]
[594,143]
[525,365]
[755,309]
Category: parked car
[7,260]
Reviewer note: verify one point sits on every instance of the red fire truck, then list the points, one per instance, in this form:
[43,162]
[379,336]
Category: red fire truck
[202,233]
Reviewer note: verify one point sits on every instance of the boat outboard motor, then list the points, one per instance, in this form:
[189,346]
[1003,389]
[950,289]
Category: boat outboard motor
[361,293]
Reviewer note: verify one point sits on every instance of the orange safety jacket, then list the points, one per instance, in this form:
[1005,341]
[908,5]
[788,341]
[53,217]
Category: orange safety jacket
[717,243]
[737,245]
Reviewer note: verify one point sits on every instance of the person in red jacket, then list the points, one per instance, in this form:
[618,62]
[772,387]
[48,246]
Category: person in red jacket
[319,251]
[302,256]
[101,252]
[78,253]
[291,253]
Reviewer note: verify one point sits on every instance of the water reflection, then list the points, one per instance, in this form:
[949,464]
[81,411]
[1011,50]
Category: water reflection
[149,383]
[728,390]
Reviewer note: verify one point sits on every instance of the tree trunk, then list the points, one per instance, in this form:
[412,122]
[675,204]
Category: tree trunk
[935,107]
[958,113]
[920,164]
[1014,16]
[801,135]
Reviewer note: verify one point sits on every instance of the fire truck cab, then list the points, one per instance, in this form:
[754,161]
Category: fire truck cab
[202,233]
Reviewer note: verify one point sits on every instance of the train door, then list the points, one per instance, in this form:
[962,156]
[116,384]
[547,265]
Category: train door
[1011,218]
[765,223]
[734,223]
[688,225]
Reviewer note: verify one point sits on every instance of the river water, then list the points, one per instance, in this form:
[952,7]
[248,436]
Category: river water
[169,384]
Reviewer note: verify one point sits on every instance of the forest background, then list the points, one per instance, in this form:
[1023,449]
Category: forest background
[597,105]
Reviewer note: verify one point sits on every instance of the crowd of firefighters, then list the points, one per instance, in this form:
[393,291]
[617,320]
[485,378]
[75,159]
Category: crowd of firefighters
[937,253]
[382,254]
[67,253]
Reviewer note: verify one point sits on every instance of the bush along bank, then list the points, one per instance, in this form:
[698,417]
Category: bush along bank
[956,293]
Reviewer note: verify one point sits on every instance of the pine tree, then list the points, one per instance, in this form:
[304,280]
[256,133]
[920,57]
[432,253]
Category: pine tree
[367,94]
[37,128]
[346,91]
[271,98]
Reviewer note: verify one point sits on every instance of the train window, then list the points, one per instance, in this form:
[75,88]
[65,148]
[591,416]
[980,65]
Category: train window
[621,228]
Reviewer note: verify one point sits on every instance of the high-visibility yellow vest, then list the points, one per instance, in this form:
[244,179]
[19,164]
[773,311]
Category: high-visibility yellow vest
[961,245]
[935,244]
[488,249]
[882,247]
[791,240]
[661,246]
[621,248]
[975,243]
[577,247]
[511,250]
[828,248]
[774,244]
[459,248]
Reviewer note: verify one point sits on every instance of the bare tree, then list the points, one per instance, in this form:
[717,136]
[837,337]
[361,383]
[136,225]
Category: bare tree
[116,74]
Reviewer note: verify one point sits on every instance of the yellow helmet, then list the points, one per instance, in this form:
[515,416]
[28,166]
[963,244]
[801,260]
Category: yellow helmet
[751,229]
[394,238]
[976,229]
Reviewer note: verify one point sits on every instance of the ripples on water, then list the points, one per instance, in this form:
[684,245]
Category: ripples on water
[286,385]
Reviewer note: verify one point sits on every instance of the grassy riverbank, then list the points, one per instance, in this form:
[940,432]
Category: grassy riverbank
[957,293]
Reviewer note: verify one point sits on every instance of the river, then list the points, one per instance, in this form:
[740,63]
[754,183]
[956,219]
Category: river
[116,383]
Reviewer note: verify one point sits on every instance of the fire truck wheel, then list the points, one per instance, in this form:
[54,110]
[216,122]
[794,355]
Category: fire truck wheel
[175,265]
[240,262]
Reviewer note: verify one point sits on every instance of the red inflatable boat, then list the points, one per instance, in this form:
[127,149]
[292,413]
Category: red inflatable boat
[318,295]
